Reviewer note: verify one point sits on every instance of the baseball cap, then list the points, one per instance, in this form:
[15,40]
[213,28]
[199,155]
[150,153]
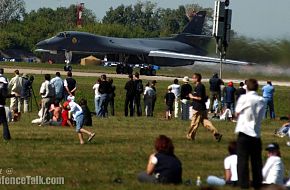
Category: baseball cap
[272,146]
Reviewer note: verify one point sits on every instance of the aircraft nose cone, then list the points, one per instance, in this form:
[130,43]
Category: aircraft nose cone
[41,44]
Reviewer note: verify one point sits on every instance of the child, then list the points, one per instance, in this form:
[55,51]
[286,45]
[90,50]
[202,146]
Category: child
[78,117]
[66,121]
[169,100]
[87,113]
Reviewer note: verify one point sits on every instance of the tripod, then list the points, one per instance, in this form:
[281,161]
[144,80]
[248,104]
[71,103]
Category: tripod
[33,94]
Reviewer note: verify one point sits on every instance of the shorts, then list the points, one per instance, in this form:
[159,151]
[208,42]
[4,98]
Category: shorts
[79,122]
[169,107]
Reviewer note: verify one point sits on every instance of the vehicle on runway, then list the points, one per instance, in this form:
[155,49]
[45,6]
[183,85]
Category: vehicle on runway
[180,50]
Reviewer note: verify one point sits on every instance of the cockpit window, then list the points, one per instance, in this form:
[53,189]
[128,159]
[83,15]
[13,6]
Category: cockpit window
[63,35]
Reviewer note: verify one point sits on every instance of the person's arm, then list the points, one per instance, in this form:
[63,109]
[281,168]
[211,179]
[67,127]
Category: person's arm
[191,96]
[228,174]
[151,164]
[73,90]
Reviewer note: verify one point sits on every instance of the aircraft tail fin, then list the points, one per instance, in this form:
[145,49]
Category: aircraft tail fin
[195,26]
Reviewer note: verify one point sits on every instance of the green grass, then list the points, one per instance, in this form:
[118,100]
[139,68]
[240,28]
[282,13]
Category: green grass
[121,146]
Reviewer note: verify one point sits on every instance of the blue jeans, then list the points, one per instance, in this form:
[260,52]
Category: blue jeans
[270,106]
[185,104]
[79,122]
[97,104]
[103,105]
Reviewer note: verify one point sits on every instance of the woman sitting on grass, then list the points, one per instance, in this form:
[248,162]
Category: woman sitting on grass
[163,166]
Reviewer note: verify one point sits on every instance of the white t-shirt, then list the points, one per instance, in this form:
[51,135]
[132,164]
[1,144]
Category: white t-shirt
[75,109]
[96,88]
[230,163]
[175,90]
[251,109]
[273,171]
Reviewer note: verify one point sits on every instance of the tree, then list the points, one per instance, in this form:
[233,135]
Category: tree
[11,10]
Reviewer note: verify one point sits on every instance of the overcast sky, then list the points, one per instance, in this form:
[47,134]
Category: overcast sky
[263,19]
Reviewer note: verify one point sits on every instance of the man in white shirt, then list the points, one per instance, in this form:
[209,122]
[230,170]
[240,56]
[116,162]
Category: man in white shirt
[273,170]
[16,85]
[250,111]
[176,91]
[47,93]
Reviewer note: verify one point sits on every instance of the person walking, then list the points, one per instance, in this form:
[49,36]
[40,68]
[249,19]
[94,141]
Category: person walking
[268,94]
[57,82]
[186,89]
[215,91]
[130,95]
[199,110]
[176,91]
[250,111]
[169,99]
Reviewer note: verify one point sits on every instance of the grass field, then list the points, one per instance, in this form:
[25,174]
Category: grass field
[121,146]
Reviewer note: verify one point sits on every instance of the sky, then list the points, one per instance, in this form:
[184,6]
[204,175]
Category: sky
[260,19]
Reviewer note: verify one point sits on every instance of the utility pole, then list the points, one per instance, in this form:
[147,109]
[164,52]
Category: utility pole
[221,29]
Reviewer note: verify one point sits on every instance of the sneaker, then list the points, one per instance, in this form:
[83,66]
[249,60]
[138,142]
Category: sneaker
[91,137]
[218,137]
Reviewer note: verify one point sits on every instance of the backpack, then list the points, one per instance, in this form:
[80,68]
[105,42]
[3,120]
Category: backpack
[139,87]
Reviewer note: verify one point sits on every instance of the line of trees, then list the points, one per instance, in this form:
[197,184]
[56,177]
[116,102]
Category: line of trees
[22,30]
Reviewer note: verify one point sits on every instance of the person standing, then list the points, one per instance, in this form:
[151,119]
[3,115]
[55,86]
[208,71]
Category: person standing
[186,89]
[169,101]
[149,94]
[153,86]
[268,94]
[176,91]
[250,111]
[139,91]
[215,91]
[97,96]
[199,110]
[130,95]
[112,96]
[229,96]
[15,85]
[26,92]
[104,90]
[58,85]
[3,95]
[70,85]
[47,93]
[240,91]
[273,170]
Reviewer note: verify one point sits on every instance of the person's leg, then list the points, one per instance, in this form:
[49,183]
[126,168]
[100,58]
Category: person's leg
[112,105]
[271,108]
[211,100]
[19,103]
[137,105]
[126,105]
[80,135]
[131,106]
[150,103]
[187,105]
[176,107]
[26,104]
[194,125]
[3,120]
[243,161]
[145,178]
[219,102]
[256,162]
[182,110]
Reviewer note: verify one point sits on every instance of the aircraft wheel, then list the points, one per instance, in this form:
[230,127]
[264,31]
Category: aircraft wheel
[67,68]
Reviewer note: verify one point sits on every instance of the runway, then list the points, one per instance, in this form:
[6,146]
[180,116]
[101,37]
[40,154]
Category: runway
[149,78]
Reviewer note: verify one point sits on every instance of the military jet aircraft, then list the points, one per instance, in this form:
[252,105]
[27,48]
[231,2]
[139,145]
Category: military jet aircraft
[179,50]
